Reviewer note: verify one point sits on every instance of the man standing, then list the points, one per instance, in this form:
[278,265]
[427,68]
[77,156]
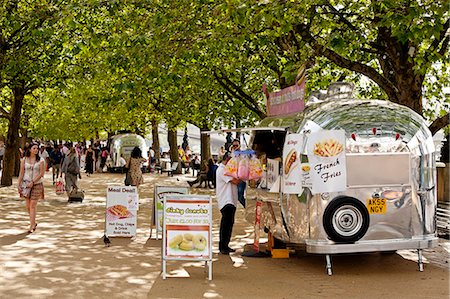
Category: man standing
[56,158]
[227,199]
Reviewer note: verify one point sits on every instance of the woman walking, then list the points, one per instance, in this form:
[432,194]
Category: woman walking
[71,170]
[90,161]
[134,166]
[32,170]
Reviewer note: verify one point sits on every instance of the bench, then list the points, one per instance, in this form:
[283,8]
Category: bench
[172,169]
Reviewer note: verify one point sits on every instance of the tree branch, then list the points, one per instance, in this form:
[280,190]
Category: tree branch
[443,37]
[342,18]
[4,114]
[341,61]
[439,123]
[238,93]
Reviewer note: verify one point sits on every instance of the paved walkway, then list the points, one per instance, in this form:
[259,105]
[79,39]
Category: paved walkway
[66,258]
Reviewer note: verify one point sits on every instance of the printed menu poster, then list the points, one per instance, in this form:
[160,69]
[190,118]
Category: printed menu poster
[122,204]
[160,192]
[187,226]
[273,171]
[326,155]
[292,174]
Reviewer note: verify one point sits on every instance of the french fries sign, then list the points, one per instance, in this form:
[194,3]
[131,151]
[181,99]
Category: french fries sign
[292,173]
[326,155]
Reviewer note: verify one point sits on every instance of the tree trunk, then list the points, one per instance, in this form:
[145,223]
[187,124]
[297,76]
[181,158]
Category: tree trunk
[172,139]
[205,143]
[156,146]
[11,156]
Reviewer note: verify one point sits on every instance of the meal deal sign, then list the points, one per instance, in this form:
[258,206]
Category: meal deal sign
[122,204]
[326,155]
[292,175]
[187,227]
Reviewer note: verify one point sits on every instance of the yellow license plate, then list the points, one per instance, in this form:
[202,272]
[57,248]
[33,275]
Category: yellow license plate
[376,205]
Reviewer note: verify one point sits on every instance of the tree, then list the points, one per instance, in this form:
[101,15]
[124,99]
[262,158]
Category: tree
[30,40]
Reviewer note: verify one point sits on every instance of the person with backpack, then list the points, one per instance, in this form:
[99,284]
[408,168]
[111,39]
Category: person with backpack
[71,170]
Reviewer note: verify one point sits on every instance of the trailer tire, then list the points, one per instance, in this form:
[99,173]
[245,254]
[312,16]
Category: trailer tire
[346,219]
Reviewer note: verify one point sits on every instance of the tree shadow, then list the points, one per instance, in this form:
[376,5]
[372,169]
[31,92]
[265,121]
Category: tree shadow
[12,239]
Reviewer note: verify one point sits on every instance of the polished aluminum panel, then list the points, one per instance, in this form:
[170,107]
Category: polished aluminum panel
[374,129]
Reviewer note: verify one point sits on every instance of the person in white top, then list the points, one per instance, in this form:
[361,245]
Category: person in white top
[30,187]
[227,200]
[122,161]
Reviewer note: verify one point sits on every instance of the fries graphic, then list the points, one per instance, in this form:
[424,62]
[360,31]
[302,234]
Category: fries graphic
[328,148]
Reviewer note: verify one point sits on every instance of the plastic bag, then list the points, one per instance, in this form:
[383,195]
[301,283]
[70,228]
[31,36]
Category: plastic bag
[60,188]
[255,169]
[243,170]
[231,169]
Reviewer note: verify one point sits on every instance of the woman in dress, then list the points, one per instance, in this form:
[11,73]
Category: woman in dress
[32,170]
[90,161]
[134,166]
[71,170]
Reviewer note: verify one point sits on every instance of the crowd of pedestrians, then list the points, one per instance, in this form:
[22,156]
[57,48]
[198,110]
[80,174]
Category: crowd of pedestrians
[67,161]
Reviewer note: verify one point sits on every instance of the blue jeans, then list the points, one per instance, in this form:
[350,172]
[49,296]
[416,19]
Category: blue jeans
[241,189]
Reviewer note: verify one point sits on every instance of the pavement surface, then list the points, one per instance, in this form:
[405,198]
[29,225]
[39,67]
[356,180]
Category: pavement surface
[66,257]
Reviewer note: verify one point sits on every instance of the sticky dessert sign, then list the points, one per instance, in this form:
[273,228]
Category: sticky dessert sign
[326,155]
[122,204]
[187,226]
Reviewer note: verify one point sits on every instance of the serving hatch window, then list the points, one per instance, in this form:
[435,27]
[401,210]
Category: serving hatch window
[268,143]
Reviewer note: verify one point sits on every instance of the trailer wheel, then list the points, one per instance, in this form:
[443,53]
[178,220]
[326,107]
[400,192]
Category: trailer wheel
[346,219]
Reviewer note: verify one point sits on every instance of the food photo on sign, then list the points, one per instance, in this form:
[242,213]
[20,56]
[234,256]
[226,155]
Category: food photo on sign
[326,156]
[194,243]
[292,172]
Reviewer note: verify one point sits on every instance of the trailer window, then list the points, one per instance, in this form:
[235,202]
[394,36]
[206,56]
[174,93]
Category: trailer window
[268,143]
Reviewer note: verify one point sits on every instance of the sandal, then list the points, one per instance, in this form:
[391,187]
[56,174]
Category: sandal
[33,229]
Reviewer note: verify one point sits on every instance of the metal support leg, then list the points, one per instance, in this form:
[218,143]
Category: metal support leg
[420,260]
[329,270]
[164,269]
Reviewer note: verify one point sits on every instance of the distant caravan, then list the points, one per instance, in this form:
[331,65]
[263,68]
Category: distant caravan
[123,144]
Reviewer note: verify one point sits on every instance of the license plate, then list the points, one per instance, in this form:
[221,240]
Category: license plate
[376,205]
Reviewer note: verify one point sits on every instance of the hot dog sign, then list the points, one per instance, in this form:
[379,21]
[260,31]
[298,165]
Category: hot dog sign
[292,176]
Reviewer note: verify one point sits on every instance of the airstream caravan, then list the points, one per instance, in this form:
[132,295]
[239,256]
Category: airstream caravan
[122,145]
[384,198]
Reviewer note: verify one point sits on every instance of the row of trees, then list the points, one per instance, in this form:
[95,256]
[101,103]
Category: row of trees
[70,69]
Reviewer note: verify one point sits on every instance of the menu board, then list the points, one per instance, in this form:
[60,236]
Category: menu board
[187,223]
[122,204]
[292,171]
[326,156]
[160,192]
[273,172]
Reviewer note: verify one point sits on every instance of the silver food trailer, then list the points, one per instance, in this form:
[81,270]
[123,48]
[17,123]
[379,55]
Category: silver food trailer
[390,161]
[123,144]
